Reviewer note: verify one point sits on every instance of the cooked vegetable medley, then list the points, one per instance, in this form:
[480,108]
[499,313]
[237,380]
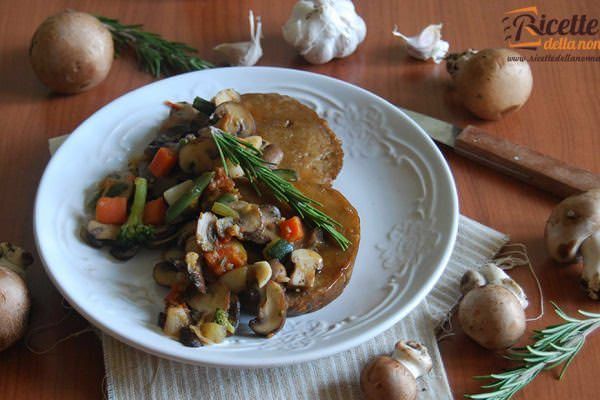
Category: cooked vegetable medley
[193,194]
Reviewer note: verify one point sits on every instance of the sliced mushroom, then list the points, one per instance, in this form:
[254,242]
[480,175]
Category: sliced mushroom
[176,318]
[166,274]
[206,235]
[174,256]
[257,223]
[225,95]
[236,279]
[194,270]
[272,154]
[279,273]
[163,235]
[260,273]
[124,253]
[226,227]
[254,141]
[248,276]
[102,231]
[198,156]
[234,118]
[314,239]
[188,338]
[209,332]
[250,216]
[306,264]
[234,311]
[217,296]
[272,310]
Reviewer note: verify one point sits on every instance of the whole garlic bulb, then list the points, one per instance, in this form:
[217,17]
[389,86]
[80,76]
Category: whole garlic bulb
[324,29]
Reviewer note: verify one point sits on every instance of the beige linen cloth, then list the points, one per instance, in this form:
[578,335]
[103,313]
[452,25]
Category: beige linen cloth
[132,374]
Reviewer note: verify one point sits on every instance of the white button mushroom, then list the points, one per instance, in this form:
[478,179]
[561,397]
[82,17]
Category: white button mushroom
[492,311]
[14,295]
[573,229]
[491,82]
[395,376]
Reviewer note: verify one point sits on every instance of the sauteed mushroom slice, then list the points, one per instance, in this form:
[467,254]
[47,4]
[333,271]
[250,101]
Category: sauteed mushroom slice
[217,296]
[272,310]
[177,317]
[306,264]
[194,270]
[235,119]
[206,234]
[226,95]
[166,274]
[248,276]
[124,253]
[272,154]
[100,231]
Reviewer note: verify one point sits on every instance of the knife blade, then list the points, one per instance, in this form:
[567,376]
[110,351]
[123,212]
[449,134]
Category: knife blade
[518,161]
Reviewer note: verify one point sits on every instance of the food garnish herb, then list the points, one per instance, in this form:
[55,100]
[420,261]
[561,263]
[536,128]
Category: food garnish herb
[256,169]
[555,345]
[155,54]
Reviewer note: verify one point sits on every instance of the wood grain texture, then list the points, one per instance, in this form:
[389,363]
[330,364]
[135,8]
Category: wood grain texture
[561,119]
[527,165]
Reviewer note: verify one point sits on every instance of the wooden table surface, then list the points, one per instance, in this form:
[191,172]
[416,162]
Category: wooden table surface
[561,119]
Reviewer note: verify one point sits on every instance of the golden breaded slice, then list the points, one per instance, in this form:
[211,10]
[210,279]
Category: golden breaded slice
[309,145]
[337,264]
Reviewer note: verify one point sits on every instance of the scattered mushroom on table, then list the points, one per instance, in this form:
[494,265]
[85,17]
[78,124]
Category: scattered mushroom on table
[395,376]
[573,230]
[492,310]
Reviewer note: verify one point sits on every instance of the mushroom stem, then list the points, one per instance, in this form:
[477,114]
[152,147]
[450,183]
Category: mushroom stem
[414,356]
[590,251]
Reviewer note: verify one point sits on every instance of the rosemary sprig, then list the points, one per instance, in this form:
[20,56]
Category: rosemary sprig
[553,346]
[155,54]
[256,170]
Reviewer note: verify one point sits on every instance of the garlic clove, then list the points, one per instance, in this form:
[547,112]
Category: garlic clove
[494,275]
[426,45]
[244,53]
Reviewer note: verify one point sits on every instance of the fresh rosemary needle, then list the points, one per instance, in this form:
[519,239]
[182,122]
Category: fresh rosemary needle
[155,54]
[256,170]
[553,346]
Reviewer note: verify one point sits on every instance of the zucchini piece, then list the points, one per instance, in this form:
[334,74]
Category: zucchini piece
[278,248]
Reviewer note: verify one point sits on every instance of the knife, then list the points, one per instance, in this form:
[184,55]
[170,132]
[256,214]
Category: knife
[520,162]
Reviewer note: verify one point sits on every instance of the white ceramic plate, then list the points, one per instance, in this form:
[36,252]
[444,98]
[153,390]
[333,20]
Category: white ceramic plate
[393,174]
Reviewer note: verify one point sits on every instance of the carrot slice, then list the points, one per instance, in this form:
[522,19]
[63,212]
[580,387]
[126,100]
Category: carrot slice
[111,210]
[291,229]
[155,212]
[163,162]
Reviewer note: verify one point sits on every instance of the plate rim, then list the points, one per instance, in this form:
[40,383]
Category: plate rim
[367,334]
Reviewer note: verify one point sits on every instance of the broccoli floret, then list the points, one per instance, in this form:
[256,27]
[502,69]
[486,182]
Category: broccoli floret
[222,318]
[134,232]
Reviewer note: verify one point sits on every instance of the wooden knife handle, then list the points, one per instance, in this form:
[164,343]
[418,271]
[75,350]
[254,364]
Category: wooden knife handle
[524,164]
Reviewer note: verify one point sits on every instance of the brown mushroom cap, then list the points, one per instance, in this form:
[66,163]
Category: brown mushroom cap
[572,221]
[71,52]
[491,83]
[492,316]
[386,378]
